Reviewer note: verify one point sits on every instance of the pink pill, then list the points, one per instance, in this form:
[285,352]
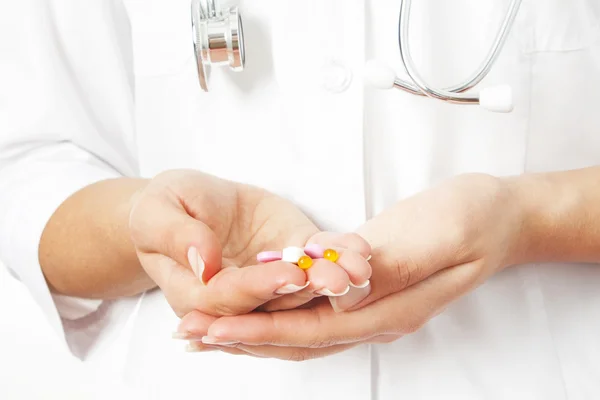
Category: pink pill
[269,256]
[314,250]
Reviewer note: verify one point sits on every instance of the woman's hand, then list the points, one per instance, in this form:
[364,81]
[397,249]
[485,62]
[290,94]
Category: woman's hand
[193,233]
[427,251]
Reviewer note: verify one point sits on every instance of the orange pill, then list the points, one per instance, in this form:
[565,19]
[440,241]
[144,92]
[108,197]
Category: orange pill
[331,255]
[305,262]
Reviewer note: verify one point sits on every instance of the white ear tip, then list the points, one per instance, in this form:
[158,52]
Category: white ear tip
[497,99]
[379,75]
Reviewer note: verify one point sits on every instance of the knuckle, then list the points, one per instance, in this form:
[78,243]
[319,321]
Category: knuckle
[358,242]
[354,243]
[402,275]
[406,272]
[318,343]
[313,343]
[224,310]
[366,273]
[196,298]
[178,308]
[168,238]
[235,346]
[298,356]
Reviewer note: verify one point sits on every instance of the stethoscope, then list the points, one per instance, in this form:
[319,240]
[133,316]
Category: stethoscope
[219,40]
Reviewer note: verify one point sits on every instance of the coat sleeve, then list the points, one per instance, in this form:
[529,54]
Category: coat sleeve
[66,121]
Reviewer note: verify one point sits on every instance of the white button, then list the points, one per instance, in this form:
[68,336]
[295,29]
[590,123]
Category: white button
[335,77]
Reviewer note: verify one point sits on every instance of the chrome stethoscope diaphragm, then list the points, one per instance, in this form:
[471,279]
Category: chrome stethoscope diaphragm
[218,38]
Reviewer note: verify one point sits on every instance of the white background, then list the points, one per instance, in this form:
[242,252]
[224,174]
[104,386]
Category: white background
[34,364]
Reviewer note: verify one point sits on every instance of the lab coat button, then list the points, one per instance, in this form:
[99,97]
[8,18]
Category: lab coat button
[335,77]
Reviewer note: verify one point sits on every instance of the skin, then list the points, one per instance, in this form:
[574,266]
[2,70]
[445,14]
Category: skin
[428,251]
[123,237]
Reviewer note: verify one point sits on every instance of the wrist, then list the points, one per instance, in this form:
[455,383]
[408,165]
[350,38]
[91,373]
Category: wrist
[130,201]
[545,208]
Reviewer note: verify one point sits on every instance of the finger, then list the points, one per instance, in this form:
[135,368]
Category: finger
[353,253]
[288,328]
[393,272]
[168,230]
[350,241]
[241,290]
[300,300]
[401,313]
[291,353]
[327,279]
[199,347]
[353,264]
[178,284]
[232,291]
[288,302]
[194,326]
[384,339]
[351,299]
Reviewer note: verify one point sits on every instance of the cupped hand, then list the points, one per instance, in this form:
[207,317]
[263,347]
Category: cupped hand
[197,236]
[427,251]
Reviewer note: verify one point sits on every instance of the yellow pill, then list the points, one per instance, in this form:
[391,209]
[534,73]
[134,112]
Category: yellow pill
[331,255]
[305,262]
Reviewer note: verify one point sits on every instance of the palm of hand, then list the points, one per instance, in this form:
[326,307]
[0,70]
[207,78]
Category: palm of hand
[263,222]
[226,225]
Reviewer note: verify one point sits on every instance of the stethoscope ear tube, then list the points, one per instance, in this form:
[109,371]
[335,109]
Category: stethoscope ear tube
[497,99]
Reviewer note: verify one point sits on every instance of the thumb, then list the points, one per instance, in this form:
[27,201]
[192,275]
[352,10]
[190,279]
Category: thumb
[395,271]
[172,232]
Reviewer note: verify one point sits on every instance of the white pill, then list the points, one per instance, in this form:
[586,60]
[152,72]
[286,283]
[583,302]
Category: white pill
[292,254]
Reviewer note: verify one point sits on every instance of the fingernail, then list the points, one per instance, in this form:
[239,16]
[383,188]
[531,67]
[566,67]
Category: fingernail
[186,336]
[329,293]
[195,347]
[289,289]
[314,250]
[354,296]
[369,258]
[197,263]
[217,342]
[364,285]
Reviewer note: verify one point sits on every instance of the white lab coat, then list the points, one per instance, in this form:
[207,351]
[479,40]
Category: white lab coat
[85,98]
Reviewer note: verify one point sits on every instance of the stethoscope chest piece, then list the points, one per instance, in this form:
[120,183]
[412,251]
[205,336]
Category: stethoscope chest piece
[218,38]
